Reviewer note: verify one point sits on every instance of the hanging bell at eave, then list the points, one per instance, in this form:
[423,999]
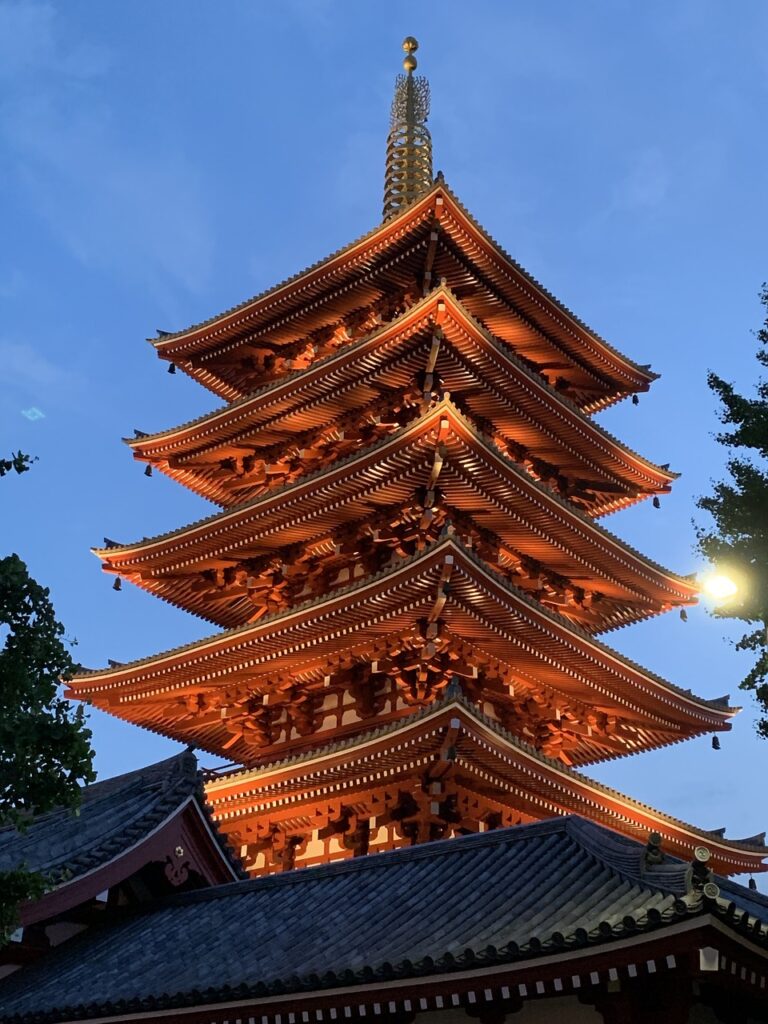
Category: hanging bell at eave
[635,400]
[148,471]
[715,742]
[656,502]
[683,615]
[171,367]
[118,584]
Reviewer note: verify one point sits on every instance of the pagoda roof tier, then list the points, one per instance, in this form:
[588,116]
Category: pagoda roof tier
[452,740]
[445,584]
[475,478]
[546,428]
[436,231]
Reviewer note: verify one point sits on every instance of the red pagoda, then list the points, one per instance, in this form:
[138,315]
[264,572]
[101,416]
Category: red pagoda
[407,562]
[411,581]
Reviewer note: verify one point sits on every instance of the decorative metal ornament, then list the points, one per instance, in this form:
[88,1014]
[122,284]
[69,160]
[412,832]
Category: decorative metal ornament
[711,890]
[409,144]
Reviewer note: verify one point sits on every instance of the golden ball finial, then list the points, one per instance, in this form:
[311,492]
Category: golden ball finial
[410,45]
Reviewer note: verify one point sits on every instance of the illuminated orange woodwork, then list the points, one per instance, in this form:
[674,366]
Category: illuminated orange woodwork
[406,560]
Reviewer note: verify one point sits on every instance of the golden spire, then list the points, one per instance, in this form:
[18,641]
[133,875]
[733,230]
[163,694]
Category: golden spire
[409,144]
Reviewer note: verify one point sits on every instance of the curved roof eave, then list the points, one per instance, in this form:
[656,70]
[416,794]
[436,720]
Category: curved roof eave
[445,406]
[399,727]
[235,408]
[169,345]
[714,707]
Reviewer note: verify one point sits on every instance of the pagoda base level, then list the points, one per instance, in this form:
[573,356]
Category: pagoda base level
[445,771]
[388,819]
[302,852]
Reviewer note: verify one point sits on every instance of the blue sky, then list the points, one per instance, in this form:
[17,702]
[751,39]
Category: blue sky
[161,162]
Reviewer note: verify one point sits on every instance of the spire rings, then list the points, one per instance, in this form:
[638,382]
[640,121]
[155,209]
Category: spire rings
[409,166]
[409,144]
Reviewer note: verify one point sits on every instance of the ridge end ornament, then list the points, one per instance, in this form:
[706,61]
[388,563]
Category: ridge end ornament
[409,143]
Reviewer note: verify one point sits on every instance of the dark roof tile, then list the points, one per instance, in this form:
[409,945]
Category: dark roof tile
[113,816]
[478,899]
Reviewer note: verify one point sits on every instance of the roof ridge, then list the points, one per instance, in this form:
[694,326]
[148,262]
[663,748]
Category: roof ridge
[343,744]
[272,617]
[90,790]
[508,351]
[571,322]
[171,336]
[315,474]
[596,922]
[727,885]
[568,313]
[148,795]
[293,375]
[581,632]
[603,787]
[380,861]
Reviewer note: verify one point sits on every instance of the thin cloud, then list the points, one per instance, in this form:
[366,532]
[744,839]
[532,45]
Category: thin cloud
[29,377]
[141,217]
[29,44]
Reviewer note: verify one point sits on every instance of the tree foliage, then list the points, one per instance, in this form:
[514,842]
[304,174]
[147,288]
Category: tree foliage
[45,749]
[739,507]
[18,463]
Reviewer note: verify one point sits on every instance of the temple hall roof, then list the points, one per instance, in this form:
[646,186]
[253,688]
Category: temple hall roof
[113,814]
[549,889]
[115,817]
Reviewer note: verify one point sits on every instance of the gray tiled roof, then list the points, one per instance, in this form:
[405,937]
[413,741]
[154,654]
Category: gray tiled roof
[481,899]
[113,816]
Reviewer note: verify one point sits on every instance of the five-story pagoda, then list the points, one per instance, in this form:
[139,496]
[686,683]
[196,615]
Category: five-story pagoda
[407,563]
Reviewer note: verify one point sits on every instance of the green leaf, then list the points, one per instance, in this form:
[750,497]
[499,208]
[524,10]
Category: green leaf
[45,744]
[739,509]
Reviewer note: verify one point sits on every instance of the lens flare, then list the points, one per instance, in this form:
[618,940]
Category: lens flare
[719,586]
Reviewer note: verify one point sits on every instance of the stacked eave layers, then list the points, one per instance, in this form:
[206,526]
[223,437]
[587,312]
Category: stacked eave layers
[410,482]
[391,642]
[531,422]
[523,527]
